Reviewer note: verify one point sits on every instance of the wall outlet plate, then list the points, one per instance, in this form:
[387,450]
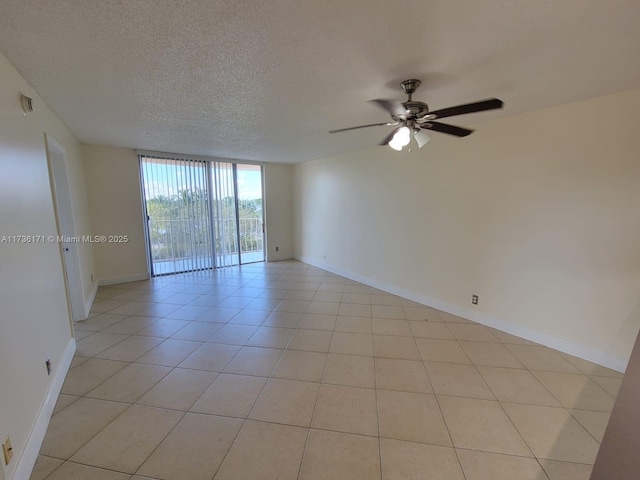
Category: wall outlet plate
[7,450]
[474,299]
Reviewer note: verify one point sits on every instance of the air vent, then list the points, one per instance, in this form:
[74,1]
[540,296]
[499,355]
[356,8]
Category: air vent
[27,104]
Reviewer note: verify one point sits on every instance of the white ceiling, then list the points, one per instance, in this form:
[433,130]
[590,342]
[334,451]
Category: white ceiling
[265,80]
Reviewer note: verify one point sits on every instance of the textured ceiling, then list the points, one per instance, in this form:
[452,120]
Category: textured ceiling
[266,80]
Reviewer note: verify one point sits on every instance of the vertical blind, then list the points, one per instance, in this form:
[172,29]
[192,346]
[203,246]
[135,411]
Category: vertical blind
[201,214]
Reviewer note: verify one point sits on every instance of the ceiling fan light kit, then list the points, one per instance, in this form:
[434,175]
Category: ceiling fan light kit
[414,117]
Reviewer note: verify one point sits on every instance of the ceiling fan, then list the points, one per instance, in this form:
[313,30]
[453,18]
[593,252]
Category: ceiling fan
[414,117]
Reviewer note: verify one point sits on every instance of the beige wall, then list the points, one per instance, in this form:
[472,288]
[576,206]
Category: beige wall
[536,213]
[34,318]
[279,215]
[113,191]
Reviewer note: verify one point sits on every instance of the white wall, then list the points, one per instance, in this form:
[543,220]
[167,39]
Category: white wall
[536,213]
[113,191]
[34,318]
[279,214]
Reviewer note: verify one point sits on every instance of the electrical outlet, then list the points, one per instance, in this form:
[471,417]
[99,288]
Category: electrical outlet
[92,278]
[277,249]
[7,449]
[474,299]
[49,365]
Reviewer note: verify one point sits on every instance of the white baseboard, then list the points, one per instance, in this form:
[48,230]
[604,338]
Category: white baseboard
[34,442]
[134,277]
[608,360]
[88,303]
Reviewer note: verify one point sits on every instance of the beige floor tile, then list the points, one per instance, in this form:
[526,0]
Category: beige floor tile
[310,340]
[387,346]
[353,370]
[331,287]
[131,348]
[77,361]
[88,375]
[611,385]
[566,471]
[293,306]
[333,455]
[388,311]
[438,350]
[472,333]
[352,343]
[74,471]
[233,334]
[401,375]
[249,317]
[164,328]
[316,321]
[98,342]
[283,319]
[421,313]
[194,449]
[130,383]
[44,466]
[127,442]
[552,433]
[264,451]
[197,331]
[353,325]
[322,296]
[542,358]
[517,386]
[230,395]
[356,288]
[169,353]
[323,308]
[271,337]
[416,461]
[212,357]
[218,315]
[382,299]
[359,298]
[457,380]
[594,422]
[576,391]
[346,409]
[132,308]
[254,361]
[590,368]
[288,402]
[355,310]
[82,334]
[481,425]
[414,417]
[300,295]
[187,312]
[179,390]
[386,326]
[130,325]
[299,365]
[64,401]
[422,329]
[492,466]
[76,425]
[490,354]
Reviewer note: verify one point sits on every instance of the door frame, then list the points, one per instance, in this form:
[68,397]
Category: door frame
[65,226]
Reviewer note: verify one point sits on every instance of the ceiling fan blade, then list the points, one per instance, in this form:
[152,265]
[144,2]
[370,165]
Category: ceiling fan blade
[389,137]
[422,138]
[360,126]
[394,107]
[446,128]
[489,104]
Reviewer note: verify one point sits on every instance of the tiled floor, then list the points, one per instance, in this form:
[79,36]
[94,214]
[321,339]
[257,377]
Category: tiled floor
[284,371]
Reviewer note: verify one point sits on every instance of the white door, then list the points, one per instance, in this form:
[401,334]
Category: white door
[66,229]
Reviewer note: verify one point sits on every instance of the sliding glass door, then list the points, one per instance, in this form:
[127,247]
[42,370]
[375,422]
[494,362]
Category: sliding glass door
[201,214]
